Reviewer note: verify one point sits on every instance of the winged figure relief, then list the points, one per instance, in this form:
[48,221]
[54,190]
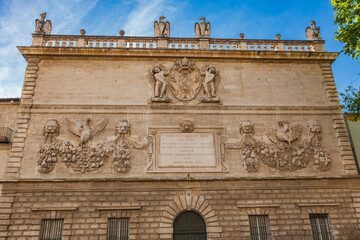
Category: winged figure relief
[285,132]
[43,26]
[84,131]
[161,28]
[202,29]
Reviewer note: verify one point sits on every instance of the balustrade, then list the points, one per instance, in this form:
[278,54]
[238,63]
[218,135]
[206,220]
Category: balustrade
[6,134]
[178,43]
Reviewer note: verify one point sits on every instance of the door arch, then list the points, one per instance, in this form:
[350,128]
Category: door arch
[189,225]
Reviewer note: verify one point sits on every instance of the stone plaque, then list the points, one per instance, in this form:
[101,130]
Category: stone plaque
[173,150]
[187,150]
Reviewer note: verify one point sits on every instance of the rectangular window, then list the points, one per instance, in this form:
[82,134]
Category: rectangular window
[259,227]
[320,227]
[51,229]
[118,229]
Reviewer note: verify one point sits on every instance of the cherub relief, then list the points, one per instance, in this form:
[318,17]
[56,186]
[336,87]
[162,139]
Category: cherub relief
[51,131]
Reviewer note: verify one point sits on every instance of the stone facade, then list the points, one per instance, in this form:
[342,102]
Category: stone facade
[147,128]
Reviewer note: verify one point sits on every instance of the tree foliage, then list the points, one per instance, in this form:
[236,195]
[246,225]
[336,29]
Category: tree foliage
[351,101]
[347,16]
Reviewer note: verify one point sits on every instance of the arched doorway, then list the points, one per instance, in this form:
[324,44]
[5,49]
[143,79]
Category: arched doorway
[189,225]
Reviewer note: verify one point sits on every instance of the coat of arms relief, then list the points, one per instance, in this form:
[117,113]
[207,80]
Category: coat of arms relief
[184,82]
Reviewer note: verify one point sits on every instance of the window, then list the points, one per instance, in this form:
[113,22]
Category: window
[118,229]
[51,229]
[320,227]
[259,227]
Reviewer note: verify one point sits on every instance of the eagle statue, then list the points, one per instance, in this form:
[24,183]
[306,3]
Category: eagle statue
[202,29]
[42,26]
[161,28]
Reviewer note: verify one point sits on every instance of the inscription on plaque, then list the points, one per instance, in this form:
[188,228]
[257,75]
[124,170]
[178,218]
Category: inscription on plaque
[187,150]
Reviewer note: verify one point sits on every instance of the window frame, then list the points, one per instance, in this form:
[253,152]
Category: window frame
[317,233]
[255,222]
[118,228]
[47,228]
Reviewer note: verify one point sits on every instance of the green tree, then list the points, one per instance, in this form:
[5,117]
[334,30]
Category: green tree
[347,16]
[351,101]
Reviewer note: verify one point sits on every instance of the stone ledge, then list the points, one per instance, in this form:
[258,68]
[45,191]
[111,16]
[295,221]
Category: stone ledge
[118,208]
[258,205]
[39,209]
[317,204]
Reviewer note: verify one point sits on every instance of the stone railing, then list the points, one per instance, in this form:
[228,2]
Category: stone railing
[177,43]
[6,135]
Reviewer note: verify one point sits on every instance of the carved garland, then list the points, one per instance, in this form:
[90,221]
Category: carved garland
[282,155]
[83,158]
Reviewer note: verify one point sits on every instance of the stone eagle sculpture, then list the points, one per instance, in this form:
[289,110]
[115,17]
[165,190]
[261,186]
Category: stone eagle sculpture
[42,26]
[286,132]
[84,131]
[313,32]
[161,28]
[202,29]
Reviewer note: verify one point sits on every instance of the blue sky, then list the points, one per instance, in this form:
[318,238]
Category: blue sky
[258,19]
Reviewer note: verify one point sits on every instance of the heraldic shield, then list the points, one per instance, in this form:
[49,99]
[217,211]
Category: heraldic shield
[185,80]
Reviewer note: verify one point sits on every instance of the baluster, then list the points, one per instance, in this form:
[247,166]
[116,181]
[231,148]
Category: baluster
[221,46]
[57,43]
[302,48]
[252,46]
[272,47]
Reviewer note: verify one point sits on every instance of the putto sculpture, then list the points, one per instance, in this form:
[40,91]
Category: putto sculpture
[209,84]
[160,85]
[42,26]
[202,29]
[161,28]
[313,32]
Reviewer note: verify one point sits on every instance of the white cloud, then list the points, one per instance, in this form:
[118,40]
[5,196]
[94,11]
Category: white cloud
[141,19]
[17,22]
